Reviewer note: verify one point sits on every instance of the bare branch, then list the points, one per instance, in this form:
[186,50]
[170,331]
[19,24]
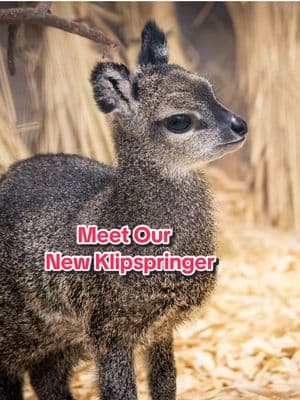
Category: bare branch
[11,41]
[40,15]
[43,6]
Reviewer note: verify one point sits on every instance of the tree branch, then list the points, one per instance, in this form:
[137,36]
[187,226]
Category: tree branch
[41,15]
[43,6]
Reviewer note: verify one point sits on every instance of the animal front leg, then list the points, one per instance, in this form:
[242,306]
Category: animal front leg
[50,377]
[116,372]
[162,371]
[10,387]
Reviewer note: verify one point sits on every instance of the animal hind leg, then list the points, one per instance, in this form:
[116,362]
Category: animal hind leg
[10,387]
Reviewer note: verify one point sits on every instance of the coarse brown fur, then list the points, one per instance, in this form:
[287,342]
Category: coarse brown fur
[49,321]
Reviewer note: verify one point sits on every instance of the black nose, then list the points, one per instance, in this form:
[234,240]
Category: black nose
[238,125]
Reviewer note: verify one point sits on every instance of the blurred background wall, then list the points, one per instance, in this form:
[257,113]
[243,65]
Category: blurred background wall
[250,52]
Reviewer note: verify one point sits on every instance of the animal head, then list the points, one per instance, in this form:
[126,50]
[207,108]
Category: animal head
[168,114]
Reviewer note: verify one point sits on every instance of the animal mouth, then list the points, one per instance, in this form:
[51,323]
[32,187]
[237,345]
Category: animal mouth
[233,143]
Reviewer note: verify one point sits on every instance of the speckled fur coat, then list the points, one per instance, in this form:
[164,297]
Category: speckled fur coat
[49,321]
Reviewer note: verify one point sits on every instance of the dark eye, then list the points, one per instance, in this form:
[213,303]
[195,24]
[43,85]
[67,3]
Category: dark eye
[179,123]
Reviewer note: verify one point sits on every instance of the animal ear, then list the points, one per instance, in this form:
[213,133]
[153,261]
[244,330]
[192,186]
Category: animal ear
[154,46]
[113,89]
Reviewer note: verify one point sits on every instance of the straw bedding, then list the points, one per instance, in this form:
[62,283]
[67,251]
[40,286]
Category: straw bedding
[245,343]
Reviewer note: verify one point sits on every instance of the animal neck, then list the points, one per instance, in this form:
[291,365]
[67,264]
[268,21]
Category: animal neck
[146,193]
[149,191]
[135,163]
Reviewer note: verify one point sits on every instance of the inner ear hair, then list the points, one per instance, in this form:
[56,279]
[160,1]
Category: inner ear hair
[112,84]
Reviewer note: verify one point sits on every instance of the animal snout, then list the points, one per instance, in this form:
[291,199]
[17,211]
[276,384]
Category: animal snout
[238,125]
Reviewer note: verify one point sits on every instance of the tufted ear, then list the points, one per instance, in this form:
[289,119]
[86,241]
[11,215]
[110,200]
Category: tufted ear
[113,89]
[154,46]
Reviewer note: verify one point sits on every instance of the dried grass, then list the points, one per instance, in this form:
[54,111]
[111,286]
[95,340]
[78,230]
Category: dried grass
[11,146]
[72,122]
[267,36]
